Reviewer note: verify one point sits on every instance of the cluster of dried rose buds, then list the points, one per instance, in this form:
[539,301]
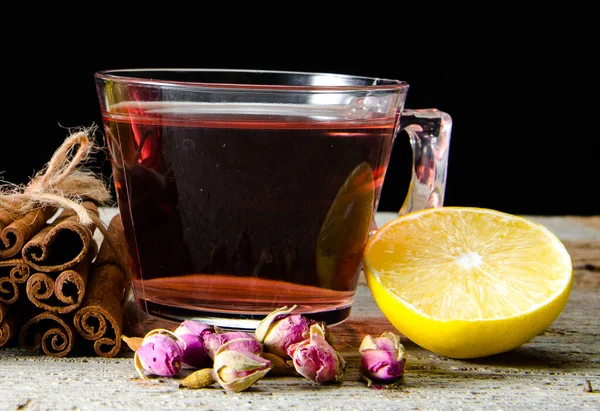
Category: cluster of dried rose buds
[232,359]
[302,344]
[282,344]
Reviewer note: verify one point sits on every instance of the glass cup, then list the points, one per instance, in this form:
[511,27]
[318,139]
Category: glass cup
[244,191]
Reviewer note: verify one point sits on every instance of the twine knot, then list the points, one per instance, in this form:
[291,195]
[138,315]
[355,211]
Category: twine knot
[63,182]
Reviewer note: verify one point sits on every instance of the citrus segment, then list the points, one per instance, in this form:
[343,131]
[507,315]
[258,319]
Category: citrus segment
[468,282]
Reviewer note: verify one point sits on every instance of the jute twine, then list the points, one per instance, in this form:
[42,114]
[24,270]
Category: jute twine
[63,183]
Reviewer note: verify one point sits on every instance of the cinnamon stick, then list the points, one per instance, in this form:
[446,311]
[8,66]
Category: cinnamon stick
[3,311]
[100,318]
[5,219]
[62,244]
[50,333]
[8,325]
[12,273]
[14,235]
[62,293]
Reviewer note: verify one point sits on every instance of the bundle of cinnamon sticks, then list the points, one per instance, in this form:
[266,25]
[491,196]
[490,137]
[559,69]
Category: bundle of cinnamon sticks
[60,291]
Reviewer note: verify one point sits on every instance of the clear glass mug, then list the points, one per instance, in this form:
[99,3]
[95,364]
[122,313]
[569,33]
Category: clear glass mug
[244,191]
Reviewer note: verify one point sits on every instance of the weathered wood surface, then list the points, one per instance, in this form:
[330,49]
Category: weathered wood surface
[549,372]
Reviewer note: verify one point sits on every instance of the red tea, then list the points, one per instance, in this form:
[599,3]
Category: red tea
[240,210]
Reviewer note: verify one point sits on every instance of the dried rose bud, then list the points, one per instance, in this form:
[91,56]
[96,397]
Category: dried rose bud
[212,342]
[382,360]
[237,370]
[159,354]
[316,359]
[192,333]
[196,328]
[248,344]
[280,329]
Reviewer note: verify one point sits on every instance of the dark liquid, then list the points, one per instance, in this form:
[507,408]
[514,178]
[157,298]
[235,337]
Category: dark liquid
[237,213]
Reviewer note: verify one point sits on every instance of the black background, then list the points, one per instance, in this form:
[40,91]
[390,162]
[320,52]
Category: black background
[518,83]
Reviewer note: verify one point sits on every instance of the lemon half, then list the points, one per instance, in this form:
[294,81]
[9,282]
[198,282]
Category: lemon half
[468,282]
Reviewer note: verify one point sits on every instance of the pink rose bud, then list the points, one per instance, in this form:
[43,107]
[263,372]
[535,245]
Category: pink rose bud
[280,329]
[236,368]
[159,354]
[212,342]
[194,354]
[382,360]
[196,328]
[316,359]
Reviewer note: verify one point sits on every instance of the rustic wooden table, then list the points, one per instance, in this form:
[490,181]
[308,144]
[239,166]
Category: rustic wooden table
[555,370]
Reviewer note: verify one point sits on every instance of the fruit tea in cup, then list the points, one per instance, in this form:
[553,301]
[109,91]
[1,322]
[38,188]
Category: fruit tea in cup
[245,191]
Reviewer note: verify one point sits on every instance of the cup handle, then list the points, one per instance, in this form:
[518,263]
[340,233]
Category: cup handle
[429,132]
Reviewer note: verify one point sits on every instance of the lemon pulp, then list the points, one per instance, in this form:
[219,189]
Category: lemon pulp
[468,282]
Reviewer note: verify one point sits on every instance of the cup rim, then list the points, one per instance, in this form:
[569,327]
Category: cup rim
[130,75]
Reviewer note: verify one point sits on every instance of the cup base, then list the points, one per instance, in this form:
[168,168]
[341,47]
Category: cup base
[233,321]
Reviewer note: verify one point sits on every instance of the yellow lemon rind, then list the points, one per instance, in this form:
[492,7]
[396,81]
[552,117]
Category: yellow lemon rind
[461,338]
